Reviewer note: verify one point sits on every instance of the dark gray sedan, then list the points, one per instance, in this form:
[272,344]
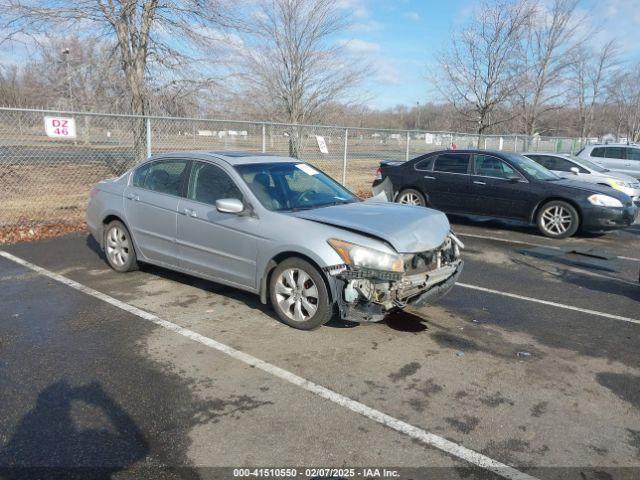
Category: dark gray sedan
[279,228]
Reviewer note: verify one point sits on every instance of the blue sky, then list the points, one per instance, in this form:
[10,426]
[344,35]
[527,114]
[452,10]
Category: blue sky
[400,39]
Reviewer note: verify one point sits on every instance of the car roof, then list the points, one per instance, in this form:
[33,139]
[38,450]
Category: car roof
[470,150]
[552,154]
[229,156]
[612,145]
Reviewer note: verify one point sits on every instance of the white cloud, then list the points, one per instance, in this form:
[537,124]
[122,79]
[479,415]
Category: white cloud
[358,46]
[414,16]
[357,7]
[366,26]
[386,71]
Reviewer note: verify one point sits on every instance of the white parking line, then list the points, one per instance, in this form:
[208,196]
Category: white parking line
[417,433]
[520,242]
[547,302]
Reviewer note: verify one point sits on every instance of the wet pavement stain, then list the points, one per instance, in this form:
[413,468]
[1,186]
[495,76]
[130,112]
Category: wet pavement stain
[406,371]
[495,400]
[427,388]
[465,425]
[539,409]
[634,439]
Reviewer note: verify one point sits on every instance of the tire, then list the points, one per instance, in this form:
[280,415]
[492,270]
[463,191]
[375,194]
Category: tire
[411,196]
[118,247]
[557,219]
[288,297]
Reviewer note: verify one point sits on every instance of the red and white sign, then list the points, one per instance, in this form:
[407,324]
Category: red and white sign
[60,127]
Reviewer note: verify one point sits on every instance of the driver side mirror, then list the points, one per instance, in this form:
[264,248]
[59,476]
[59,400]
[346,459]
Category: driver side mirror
[514,178]
[229,205]
[575,170]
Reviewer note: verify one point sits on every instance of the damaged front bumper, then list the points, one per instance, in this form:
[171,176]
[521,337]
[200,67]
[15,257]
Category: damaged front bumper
[368,295]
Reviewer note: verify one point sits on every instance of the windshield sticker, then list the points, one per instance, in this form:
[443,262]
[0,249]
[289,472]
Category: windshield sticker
[309,170]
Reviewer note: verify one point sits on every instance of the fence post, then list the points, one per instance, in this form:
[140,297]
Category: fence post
[406,155]
[148,122]
[515,144]
[264,138]
[344,157]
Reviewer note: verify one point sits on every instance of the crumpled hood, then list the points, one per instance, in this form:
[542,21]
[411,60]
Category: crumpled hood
[407,229]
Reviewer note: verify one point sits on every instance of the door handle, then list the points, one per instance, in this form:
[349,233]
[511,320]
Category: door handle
[190,212]
[477,182]
[133,196]
[429,177]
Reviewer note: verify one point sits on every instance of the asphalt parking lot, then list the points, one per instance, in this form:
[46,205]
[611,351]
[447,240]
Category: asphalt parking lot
[531,362]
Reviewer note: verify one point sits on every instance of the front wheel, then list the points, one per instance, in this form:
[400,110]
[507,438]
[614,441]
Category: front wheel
[411,196]
[558,219]
[299,295]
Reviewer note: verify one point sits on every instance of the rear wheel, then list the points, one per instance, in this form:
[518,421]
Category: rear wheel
[558,219]
[118,247]
[299,295]
[411,196]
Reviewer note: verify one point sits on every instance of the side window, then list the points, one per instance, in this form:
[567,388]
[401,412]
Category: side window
[615,152]
[597,152]
[139,175]
[633,153]
[561,165]
[488,166]
[452,163]
[209,183]
[541,159]
[165,176]
[425,164]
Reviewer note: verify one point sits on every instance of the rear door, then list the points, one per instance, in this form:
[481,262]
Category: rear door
[216,244]
[615,158]
[447,183]
[633,162]
[498,189]
[151,208]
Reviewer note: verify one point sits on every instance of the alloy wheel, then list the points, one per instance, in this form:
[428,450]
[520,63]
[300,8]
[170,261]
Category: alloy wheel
[118,246]
[556,220]
[410,198]
[296,294]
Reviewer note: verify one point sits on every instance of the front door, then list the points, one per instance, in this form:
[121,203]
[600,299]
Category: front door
[151,208]
[498,189]
[219,245]
[447,184]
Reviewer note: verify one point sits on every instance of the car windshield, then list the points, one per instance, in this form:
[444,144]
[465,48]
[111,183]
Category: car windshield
[293,186]
[531,168]
[587,163]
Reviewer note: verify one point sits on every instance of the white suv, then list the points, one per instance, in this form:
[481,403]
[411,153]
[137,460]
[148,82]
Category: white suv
[619,157]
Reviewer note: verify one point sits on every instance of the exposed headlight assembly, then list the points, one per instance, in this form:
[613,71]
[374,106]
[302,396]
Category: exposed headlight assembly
[365,257]
[604,201]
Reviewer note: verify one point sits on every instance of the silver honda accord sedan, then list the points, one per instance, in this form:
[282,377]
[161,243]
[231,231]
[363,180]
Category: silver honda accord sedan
[277,227]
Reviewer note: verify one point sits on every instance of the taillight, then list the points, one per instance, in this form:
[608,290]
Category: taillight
[92,193]
[378,173]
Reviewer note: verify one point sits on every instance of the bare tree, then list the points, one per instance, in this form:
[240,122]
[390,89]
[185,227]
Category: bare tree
[149,35]
[550,43]
[591,72]
[479,71]
[624,93]
[289,69]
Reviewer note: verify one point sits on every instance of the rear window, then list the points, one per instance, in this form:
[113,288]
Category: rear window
[452,163]
[633,154]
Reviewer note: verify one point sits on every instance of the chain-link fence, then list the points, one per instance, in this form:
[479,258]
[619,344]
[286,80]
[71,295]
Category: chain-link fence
[46,172]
